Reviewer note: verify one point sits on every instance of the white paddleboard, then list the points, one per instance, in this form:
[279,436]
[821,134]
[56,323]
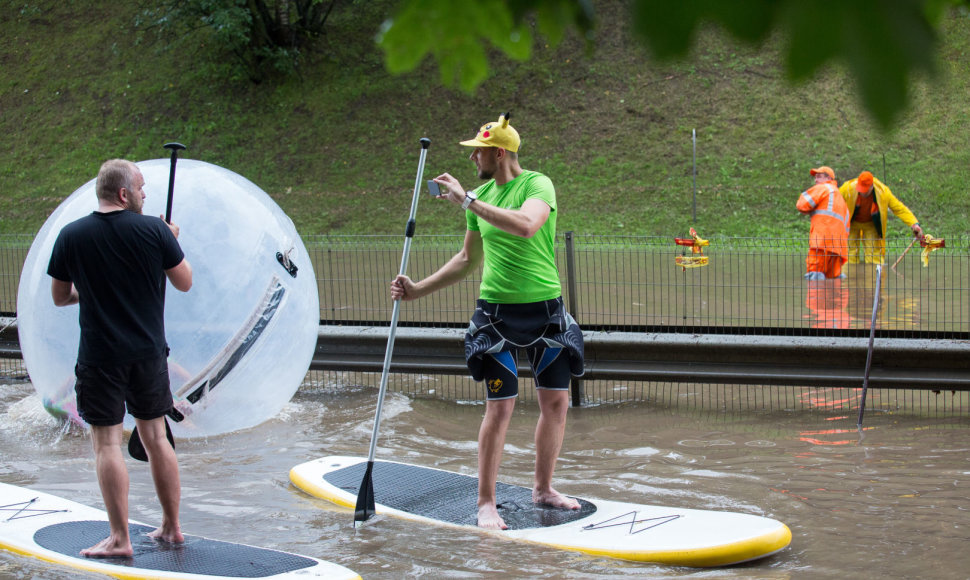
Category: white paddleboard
[55,529]
[666,535]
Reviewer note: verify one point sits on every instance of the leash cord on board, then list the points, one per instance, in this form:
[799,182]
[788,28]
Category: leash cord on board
[633,521]
[24,509]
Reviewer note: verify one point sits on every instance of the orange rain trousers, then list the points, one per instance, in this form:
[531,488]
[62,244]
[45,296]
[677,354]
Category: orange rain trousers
[825,262]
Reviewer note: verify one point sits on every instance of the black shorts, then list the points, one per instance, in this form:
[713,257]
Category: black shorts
[103,392]
[550,368]
[550,336]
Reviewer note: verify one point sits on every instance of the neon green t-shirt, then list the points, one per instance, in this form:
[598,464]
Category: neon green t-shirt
[518,270]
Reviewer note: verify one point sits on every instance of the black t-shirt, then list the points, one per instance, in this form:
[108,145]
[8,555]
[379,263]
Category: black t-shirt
[117,262]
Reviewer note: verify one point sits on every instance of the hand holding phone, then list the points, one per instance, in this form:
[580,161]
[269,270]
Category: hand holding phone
[433,188]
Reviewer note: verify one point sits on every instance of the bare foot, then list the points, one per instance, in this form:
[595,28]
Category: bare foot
[109,547]
[555,499]
[171,536]
[489,519]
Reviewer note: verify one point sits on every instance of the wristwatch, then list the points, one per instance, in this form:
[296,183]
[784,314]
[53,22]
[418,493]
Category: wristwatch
[469,198]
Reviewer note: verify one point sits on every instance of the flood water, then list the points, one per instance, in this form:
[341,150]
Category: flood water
[890,503]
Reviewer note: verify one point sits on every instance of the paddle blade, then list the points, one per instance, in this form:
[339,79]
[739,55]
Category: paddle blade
[137,450]
[135,447]
[365,497]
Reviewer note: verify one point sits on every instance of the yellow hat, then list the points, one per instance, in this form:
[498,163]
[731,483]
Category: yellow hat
[497,134]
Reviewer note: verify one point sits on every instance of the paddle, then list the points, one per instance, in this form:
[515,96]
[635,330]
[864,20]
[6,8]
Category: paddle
[135,447]
[365,494]
[872,337]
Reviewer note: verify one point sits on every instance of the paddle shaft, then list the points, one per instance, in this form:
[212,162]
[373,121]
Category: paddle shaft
[872,337]
[396,310]
[174,147]
[366,489]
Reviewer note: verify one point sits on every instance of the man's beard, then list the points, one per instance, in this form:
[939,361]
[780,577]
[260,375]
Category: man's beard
[135,206]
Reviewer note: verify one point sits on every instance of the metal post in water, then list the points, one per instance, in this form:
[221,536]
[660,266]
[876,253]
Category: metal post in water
[576,383]
[872,337]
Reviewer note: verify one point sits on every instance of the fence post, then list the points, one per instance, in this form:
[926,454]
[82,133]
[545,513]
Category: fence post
[576,384]
[693,211]
[330,276]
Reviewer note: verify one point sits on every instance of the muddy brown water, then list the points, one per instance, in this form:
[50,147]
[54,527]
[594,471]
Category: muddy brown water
[891,502]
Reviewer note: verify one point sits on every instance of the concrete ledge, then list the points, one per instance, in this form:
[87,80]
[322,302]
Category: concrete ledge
[678,358]
[762,360]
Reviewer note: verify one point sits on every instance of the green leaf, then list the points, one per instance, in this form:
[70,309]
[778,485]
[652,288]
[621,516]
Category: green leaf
[883,42]
[456,35]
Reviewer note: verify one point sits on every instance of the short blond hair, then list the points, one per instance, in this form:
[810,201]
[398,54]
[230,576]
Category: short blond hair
[114,175]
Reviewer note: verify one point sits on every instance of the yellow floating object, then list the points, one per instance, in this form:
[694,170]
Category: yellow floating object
[691,261]
[930,244]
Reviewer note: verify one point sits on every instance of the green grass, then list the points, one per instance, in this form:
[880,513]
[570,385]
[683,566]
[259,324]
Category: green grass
[337,147]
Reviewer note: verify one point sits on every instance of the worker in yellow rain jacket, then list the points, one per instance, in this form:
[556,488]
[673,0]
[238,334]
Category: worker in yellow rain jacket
[870,201]
[829,232]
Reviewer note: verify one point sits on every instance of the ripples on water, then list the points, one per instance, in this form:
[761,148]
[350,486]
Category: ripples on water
[890,503]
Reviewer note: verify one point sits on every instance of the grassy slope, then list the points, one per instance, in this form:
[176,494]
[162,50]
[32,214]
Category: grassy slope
[338,148]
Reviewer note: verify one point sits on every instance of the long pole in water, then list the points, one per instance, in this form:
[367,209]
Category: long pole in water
[903,255]
[872,337]
[365,494]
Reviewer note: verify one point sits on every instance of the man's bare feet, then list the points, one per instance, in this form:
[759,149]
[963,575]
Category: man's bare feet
[109,547]
[171,536]
[555,499]
[489,519]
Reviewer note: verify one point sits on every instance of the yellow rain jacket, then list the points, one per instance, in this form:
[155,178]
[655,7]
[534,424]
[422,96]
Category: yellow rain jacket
[884,200]
[861,239]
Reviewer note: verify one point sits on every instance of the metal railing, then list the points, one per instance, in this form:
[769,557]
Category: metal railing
[750,288]
[632,284]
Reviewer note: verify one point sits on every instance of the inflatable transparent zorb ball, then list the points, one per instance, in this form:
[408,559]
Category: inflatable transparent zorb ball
[241,339]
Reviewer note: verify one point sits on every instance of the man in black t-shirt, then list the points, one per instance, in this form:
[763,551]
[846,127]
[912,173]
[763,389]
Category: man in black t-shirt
[113,263]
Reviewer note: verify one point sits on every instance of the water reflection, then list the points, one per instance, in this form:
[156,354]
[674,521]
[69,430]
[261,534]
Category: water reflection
[861,288]
[827,300]
[847,302]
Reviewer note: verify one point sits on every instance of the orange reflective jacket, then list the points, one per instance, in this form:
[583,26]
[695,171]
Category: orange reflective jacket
[830,218]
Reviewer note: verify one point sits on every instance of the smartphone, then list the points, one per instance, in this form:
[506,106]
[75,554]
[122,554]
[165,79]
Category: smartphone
[433,189]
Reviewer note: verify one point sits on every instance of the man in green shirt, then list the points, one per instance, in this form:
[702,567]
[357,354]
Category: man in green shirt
[511,230]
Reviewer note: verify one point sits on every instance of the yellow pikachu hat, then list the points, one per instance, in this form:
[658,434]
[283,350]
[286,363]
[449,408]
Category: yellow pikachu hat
[497,134]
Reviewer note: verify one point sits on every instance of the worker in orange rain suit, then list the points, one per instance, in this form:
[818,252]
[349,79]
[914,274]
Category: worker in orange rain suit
[829,233]
[868,200]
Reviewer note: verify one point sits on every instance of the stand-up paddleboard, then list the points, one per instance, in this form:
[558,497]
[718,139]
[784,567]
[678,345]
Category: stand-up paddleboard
[55,530]
[665,535]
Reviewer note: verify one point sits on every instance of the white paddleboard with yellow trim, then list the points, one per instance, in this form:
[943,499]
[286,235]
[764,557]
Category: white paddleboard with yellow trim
[54,529]
[665,535]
